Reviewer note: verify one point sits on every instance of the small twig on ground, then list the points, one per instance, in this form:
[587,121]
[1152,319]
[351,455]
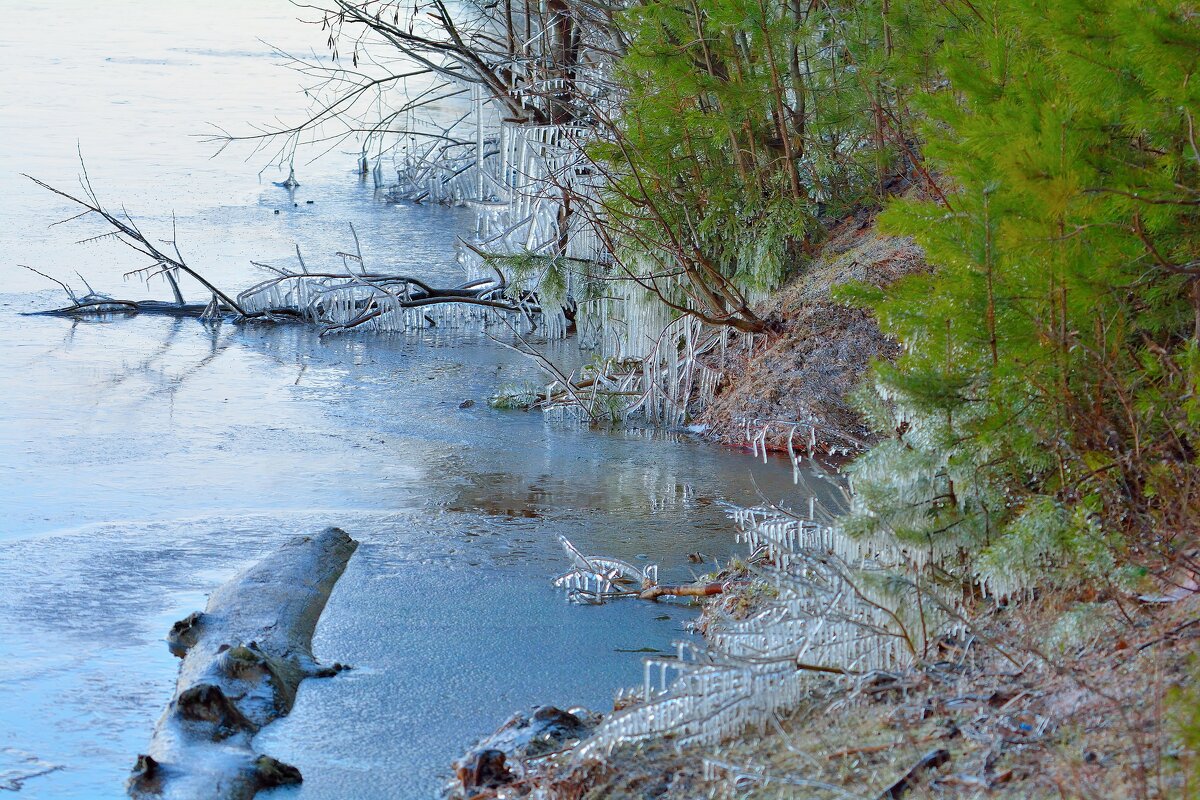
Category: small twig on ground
[695,590]
[1171,634]
[930,761]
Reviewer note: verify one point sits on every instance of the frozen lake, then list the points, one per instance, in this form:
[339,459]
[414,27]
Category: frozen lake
[144,460]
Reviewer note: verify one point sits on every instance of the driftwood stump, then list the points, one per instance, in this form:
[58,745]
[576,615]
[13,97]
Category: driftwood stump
[243,660]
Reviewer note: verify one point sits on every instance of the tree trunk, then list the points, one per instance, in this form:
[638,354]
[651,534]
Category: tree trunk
[243,660]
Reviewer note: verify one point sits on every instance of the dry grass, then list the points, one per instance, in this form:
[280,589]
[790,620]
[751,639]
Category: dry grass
[1086,712]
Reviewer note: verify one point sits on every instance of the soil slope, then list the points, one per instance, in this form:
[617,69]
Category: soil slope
[804,372]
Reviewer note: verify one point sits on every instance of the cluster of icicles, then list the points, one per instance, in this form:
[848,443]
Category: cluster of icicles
[514,177]
[381,302]
[519,185]
[507,175]
[651,364]
[594,579]
[661,386]
[801,440]
[838,611]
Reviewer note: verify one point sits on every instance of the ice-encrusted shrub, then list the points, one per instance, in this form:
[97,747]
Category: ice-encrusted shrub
[837,612]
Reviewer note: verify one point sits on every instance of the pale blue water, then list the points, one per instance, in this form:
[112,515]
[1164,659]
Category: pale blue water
[143,461]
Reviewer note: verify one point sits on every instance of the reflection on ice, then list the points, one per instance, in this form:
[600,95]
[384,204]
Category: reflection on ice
[214,443]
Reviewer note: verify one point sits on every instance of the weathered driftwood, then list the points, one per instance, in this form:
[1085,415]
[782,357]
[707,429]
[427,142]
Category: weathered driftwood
[243,660]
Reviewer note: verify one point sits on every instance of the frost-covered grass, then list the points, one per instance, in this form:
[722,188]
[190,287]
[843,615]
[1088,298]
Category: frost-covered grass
[1108,717]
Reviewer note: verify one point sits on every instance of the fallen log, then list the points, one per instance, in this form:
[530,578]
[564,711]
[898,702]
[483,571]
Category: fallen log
[311,293]
[243,660]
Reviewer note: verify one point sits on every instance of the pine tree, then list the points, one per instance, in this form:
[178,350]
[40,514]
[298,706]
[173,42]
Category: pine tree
[1045,409]
[740,122]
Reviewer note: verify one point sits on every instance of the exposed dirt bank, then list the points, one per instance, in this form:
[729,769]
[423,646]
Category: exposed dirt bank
[805,371]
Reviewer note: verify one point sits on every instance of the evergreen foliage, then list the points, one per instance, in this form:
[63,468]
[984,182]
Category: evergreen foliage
[1043,418]
[1045,411]
[740,122]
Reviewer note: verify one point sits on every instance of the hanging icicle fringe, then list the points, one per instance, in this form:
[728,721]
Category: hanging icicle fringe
[843,610]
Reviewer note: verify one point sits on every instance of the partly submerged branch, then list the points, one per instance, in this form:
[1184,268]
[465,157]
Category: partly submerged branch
[338,300]
[95,303]
[595,579]
[685,590]
[126,231]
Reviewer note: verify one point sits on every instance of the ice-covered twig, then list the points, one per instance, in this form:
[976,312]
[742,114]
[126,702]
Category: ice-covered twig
[594,579]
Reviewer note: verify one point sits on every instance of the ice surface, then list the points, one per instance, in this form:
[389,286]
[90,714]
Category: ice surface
[144,460]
